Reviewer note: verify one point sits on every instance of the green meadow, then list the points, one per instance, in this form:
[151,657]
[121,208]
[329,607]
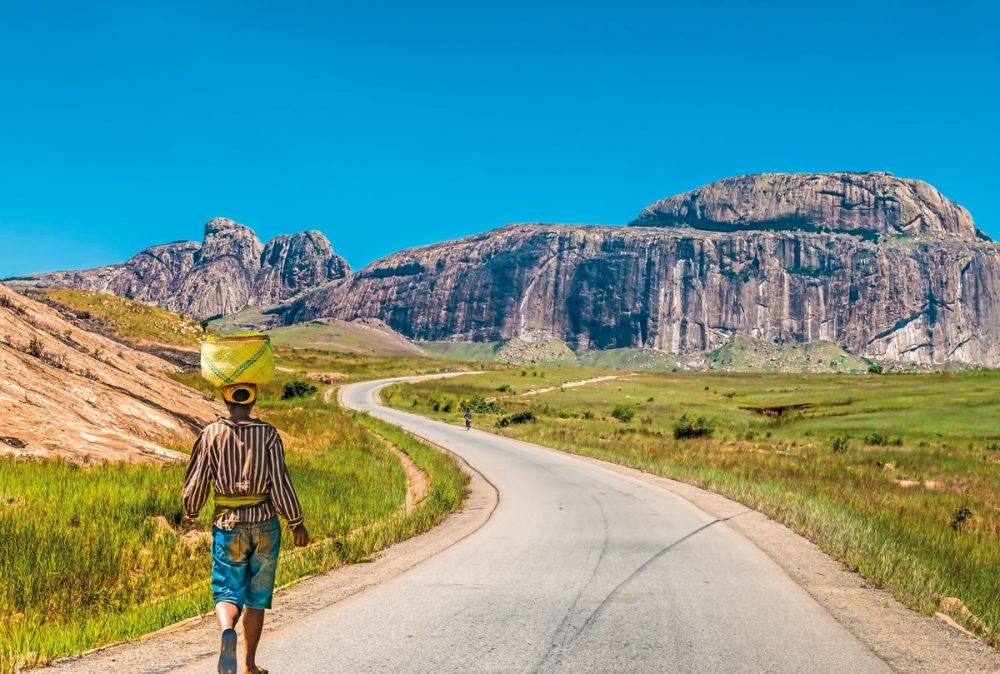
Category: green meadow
[96,554]
[897,476]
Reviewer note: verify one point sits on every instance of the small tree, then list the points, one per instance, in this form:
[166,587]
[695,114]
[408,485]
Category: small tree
[204,325]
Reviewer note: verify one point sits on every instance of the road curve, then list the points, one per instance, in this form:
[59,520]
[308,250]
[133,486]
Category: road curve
[580,569]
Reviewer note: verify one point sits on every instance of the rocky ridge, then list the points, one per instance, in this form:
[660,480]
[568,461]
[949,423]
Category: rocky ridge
[229,270]
[906,279]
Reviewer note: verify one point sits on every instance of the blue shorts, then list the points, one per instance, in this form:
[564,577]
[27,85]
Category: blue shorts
[244,561]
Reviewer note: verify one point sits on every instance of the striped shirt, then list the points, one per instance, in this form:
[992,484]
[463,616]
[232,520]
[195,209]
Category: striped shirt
[220,455]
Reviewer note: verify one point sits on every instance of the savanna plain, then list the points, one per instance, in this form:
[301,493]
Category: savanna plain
[895,475]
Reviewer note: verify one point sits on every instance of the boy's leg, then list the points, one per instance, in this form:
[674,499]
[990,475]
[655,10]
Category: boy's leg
[227,614]
[265,544]
[253,625]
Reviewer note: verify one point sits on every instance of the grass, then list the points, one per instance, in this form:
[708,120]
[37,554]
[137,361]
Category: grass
[97,554]
[127,318]
[874,469]
[331,334]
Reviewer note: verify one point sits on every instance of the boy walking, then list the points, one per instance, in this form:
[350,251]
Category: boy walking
[245,459]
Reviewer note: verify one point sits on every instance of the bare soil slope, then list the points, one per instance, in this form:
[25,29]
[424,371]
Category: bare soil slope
[71,393]
[362,335]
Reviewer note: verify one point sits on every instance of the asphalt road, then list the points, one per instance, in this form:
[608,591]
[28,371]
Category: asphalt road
[580,569]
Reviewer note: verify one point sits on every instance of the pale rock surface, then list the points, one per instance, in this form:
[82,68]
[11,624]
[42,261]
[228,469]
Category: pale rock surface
[74,394]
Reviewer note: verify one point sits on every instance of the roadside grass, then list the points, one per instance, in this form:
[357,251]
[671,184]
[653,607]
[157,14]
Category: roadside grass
[874,469]
[126,318]
[97,554]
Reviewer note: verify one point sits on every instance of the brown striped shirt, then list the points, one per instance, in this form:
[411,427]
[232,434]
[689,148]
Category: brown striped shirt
[220,454]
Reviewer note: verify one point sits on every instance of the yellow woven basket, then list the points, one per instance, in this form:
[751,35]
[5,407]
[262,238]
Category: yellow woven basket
[244,358]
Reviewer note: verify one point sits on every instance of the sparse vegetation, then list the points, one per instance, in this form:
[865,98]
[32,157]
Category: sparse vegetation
[125,318]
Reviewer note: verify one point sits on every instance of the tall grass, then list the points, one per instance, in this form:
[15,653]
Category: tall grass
[874,469]
[96,554]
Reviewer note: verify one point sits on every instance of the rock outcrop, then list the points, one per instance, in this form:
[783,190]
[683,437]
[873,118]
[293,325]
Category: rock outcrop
[866,204]
[70,393]
[229,270]
[910,281]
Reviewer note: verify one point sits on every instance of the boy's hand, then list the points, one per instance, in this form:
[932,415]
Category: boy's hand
[188,520]
[300,536]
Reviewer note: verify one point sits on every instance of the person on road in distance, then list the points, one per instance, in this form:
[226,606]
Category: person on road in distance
[246,460]
[468,419]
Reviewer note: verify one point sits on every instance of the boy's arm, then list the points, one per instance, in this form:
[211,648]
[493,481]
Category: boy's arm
[196,482]
[286,502]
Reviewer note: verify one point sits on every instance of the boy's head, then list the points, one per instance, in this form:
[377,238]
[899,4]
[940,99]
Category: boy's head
[239,396]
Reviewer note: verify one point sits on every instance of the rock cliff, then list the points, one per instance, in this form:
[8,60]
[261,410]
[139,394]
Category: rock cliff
[907,279]
[229,270]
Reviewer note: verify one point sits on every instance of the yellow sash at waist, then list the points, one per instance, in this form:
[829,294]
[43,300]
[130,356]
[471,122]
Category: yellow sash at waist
[227,503]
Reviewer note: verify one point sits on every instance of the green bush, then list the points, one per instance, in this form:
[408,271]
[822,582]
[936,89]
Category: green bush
[297,389]
[623,412]
[693,427]
[840,443]
[517,418]
[478,404]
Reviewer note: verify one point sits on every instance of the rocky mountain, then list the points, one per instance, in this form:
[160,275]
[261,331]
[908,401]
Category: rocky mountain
[67,392]
[884,267]
[229,270]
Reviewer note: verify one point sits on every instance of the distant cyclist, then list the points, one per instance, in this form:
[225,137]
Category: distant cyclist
[468,419]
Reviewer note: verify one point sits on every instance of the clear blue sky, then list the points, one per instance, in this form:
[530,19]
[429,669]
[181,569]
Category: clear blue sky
[388,125]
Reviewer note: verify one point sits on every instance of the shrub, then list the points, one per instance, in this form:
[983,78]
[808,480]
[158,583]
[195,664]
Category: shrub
[960,517]
[478,404]
[517,418]
[880,439]
[875,368]
[623,412]
[693,427]
[297,389]
[504,388]
[588,415]
[441,403]
[839,443]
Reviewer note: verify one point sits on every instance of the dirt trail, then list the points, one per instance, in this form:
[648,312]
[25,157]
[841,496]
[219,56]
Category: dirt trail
[574,384]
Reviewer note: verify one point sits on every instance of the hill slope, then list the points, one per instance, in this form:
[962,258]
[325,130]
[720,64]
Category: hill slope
[369,336]
[72,393]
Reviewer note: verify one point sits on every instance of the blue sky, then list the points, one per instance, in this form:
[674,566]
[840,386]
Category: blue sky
[388,125]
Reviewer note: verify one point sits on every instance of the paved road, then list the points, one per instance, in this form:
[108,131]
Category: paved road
[580,569]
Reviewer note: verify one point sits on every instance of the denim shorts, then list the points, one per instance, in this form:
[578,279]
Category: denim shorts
[244,561]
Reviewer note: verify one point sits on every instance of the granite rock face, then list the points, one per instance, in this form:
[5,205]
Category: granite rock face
[866,204]
[229,270]
[911,282]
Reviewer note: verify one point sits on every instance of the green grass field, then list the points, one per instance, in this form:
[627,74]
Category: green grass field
[96,554]
[875,469]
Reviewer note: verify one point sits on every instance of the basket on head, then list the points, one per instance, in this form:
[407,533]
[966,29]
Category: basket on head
[245,358]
